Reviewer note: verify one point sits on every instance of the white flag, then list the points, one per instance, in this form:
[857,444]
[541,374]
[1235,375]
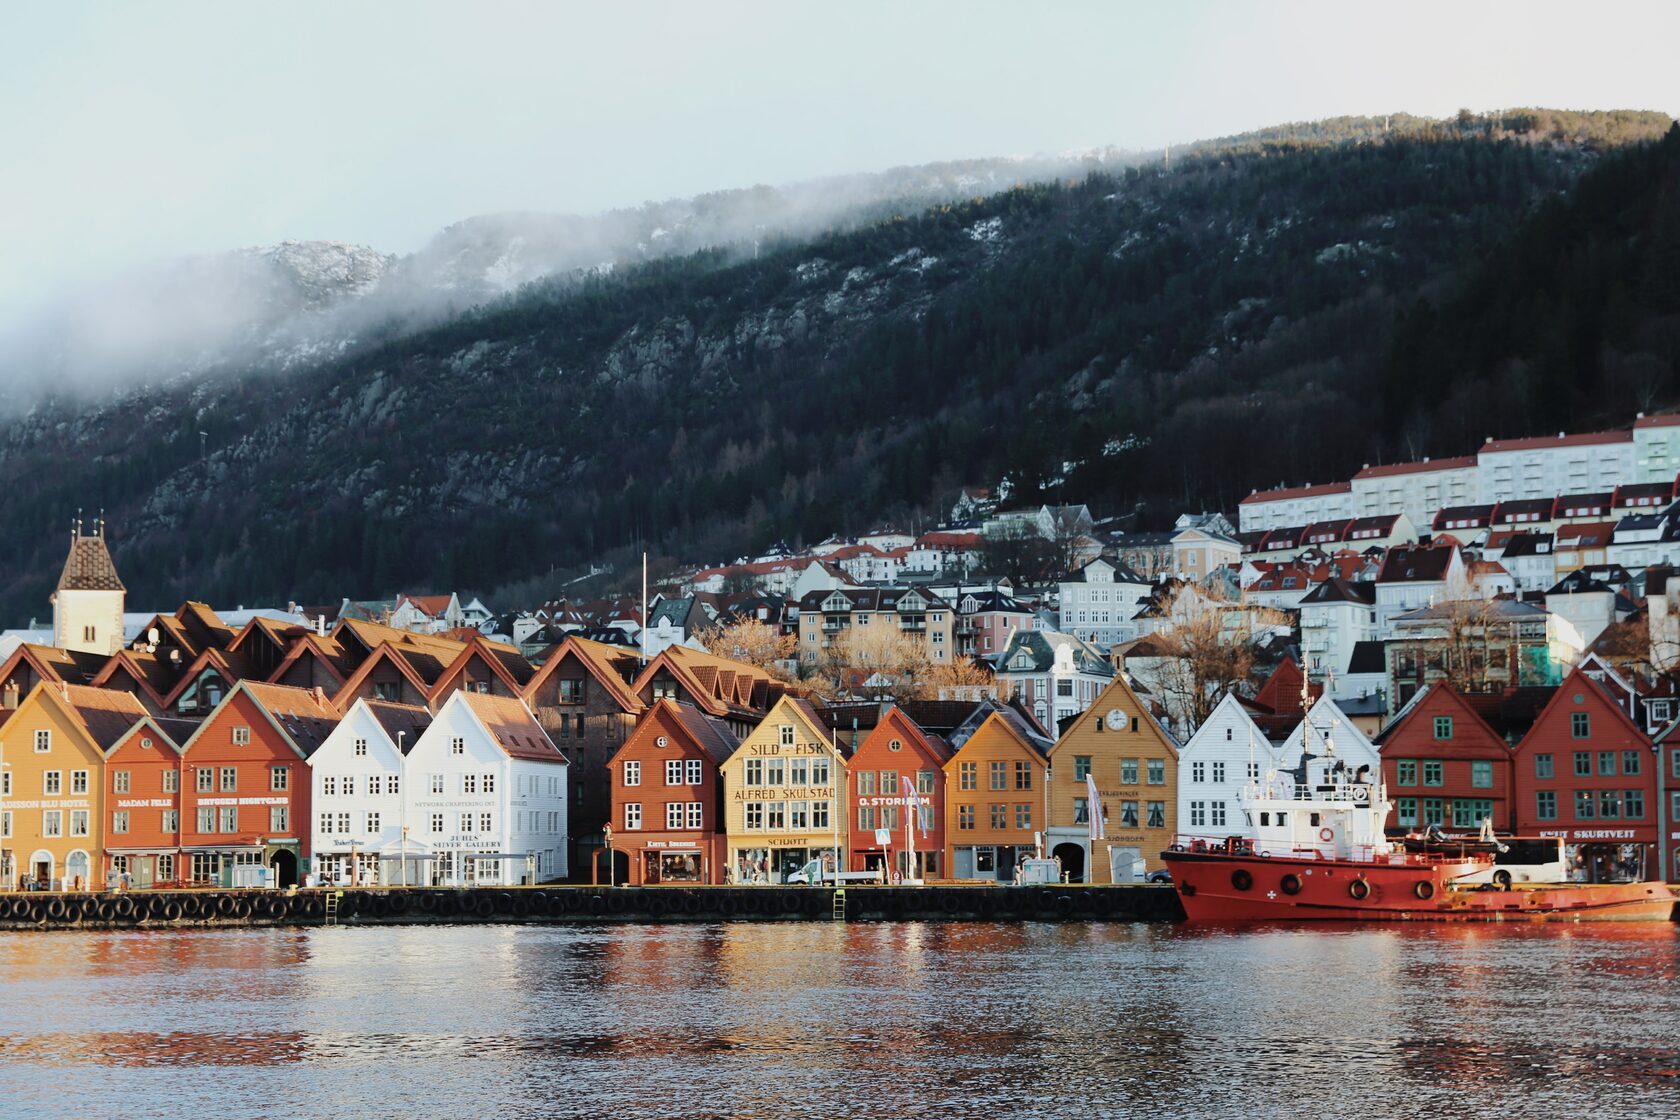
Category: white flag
[1095,813]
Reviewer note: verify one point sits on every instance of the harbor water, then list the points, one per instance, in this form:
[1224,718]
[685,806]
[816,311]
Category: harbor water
[829,1019]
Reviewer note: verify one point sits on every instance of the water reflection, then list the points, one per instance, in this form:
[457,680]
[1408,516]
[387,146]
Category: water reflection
[821,1019]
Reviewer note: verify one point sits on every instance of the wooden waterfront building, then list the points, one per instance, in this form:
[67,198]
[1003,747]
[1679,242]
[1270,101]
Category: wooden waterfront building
[667,798]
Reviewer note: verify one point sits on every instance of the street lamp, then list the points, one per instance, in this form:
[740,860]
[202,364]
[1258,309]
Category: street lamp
[402,804]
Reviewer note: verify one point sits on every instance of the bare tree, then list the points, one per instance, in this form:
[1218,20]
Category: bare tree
[1207,646]
[755,643]
[897,663]
[959,680]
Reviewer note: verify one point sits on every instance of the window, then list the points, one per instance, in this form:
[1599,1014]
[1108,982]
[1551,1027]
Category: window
[691,772]
[1405,772]
[1630,762]
[1584,805]
[889,782]
[1000,775]
[360,748]
[1432,772]
[1543,766]
[1128,771]
[1443,727]
[786,730]
[391,784]
[52,782]
[1081,767]
[1198,814]
[571,691]
[968,775]
[372,823]
[329,786]
[279,819]
[775,814]
[632,773]
[43,742]
[1157,814]
[866,781]
[230,779]
[866,818]
[1609,804]
[924,781]
[565,725]
[242,736]
[1000,816]
[819,771]
[1128,814]
[119,781]
[799,815]
[1023,815]
[230,819]
[965,817]
[484,822]
[1606,763]
[1216,814]
[1433,811]
[1481,775]
[457,745]
[437,783]
[673,814]
[1157,772]
[1064,687]
[1198,772]
[1468,811]
[775,772]
[696,815]
[673,772]
[119,821]
[469,783]
[1406,812]
[1583,764]
[171,781]
[207,820]
[1081,810]
[1580,725]
[171,823]
[1023,775]
[52,823]
[1633,804]
[466,822]
[437,822]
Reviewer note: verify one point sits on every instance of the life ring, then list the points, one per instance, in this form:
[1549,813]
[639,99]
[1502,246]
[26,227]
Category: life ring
[1424,889]
[1290,884]
[1326,834]
[1359,890]
[1502,879]
[1241,879]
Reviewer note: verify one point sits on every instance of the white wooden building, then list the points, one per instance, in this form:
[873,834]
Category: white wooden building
[357,813]
[487,795]
[1226,752]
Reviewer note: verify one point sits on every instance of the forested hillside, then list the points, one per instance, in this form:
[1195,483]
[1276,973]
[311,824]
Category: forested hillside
[1279,307]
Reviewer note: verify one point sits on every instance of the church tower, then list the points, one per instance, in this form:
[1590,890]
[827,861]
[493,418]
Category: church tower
[88,603]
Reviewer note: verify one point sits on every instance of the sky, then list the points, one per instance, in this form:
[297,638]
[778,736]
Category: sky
[136,132]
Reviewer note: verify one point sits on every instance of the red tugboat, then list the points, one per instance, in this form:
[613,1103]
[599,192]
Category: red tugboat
[1316,851]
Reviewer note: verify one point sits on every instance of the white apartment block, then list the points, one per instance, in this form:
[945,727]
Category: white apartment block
[1500,470]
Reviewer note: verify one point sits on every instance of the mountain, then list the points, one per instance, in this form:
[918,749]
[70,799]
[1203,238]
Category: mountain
[1143,339]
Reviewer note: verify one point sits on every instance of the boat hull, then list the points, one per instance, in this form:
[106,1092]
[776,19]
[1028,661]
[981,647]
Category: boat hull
[1215,887]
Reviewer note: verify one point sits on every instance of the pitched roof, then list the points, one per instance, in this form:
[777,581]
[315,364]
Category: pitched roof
[89,566]
[303,714]
[408,719]
[1339,590]
[601,661]
[1415,565]
[1368,657]
[1562,439]
[710,735]
[1284,493]
[515,729]
[1421,467]
[106,713]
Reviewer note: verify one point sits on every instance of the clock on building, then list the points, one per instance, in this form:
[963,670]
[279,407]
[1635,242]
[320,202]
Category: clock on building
[1116,719]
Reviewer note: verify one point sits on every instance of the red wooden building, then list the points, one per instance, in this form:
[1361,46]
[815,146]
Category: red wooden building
[667,797]
[895,750]
[1445,765]
[143,780]
[1587,773]
[245,787]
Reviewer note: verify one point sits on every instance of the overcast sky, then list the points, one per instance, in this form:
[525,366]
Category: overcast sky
[133,131]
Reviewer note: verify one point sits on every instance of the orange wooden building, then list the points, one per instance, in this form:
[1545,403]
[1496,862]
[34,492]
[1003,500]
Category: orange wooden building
[994,797]
[143,777]
[895,750]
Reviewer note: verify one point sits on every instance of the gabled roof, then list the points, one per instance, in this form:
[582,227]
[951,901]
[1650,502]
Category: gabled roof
[211,659]
[89,566]
[1579,683]
[106,714]
[1339,590]
[710,735]
[407,662]
[1434,699]
[303,715]
[1416,565]
[512,724]
[1368,657]
[895,723]
[53,664]
[601,661]
[717,685]
[173,732]
[408,719]
[155,677]
[325,650]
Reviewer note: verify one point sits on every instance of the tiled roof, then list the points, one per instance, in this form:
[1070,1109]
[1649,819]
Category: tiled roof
[302,713]
[106,713]
[1562,439]
[710,735]
[516,730]
[408,719]
[1422,467]
[89,567]
[1284,493]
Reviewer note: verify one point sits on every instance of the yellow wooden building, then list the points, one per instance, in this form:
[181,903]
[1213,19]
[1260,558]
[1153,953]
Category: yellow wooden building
[1135,763]
[994,799]
[783,789]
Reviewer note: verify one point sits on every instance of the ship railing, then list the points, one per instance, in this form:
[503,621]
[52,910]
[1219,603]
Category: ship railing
[1220,845]
[1352,793]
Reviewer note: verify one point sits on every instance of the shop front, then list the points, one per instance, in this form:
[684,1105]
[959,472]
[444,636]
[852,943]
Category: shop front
[772,861]
[785,784]
[1608,855]
[680,863]
[988,861]
[140,868]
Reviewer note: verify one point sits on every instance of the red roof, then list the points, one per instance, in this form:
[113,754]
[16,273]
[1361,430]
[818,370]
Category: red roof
[1426,465]
[1285,492]
[1562,439]
[1666,420]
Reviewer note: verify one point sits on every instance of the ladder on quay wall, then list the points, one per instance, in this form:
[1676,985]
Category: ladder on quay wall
[331,918]
[840,904]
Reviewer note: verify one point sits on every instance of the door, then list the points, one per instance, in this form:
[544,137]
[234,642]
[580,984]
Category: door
[284,864]
[76,872]
[1125,865]
[962,863]
[41,870]
[1073,861]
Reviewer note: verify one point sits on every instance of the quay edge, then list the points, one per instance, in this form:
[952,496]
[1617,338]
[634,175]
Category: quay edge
[212,909]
